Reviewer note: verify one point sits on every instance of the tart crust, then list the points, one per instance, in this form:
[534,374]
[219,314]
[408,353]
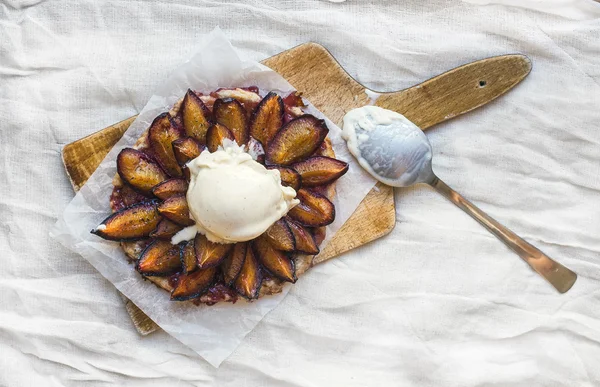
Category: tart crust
[219,292]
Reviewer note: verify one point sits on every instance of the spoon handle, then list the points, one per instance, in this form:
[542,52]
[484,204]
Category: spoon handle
[558,275]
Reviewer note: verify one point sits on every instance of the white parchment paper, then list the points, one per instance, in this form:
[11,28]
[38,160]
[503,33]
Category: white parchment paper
[213,332]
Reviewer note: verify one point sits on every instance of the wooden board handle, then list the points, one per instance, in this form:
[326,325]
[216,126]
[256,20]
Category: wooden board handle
[457,91]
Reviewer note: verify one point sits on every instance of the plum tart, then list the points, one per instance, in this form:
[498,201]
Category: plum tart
[150,207]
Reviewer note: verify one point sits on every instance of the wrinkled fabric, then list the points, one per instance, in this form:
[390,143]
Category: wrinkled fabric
[439,301]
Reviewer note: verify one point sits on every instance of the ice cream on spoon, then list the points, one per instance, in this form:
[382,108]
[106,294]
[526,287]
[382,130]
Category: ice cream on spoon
[396,152]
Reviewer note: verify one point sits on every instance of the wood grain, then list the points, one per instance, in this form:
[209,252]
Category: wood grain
[82,157]
[457,91]
[311,69]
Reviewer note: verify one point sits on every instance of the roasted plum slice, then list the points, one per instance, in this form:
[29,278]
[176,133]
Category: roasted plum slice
[231,114]
[305,242]
[170,187]
[134,222]
[320,170]
[297,140]
[188,257]
[138,170]
[186,173]
[217,133]
[267,118]
[176,209]
[280,236]
[125,196]
[192,285]
[232,265]
[314,209]
[319,233]
[209,254]
[165,229]
[186,149]
[289,177]
[160,258]
[249,280]
[195,117]
[161,135]
[275,261]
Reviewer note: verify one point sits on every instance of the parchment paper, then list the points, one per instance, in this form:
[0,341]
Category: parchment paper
[213,332]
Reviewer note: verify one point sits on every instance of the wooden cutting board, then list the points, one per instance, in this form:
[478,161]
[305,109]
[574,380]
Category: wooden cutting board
[311,69]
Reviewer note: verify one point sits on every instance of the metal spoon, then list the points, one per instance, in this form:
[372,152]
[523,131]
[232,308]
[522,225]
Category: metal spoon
[397,153]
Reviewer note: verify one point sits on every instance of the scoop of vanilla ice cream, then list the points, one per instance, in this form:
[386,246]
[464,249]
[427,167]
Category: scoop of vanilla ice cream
[233,198]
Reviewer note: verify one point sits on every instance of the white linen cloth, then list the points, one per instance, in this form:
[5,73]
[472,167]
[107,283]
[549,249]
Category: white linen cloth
[437,302]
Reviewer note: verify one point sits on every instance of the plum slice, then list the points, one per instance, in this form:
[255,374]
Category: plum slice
[280,236]
[319,233]
[186,173]
[138,170]
[195,117]
[289,177]
[267,119]
[209,254]
[297,140]
[275,261]
[160,258]
[194,284]
[176,209]
[125,196]
[161,135]
[188,257]
[232,265]
[249,280]
[320,170]
[230,113]
[305,242]
[314,209]
[134,222]
[215,136]
[186,149]
[165,229]
[170,187]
